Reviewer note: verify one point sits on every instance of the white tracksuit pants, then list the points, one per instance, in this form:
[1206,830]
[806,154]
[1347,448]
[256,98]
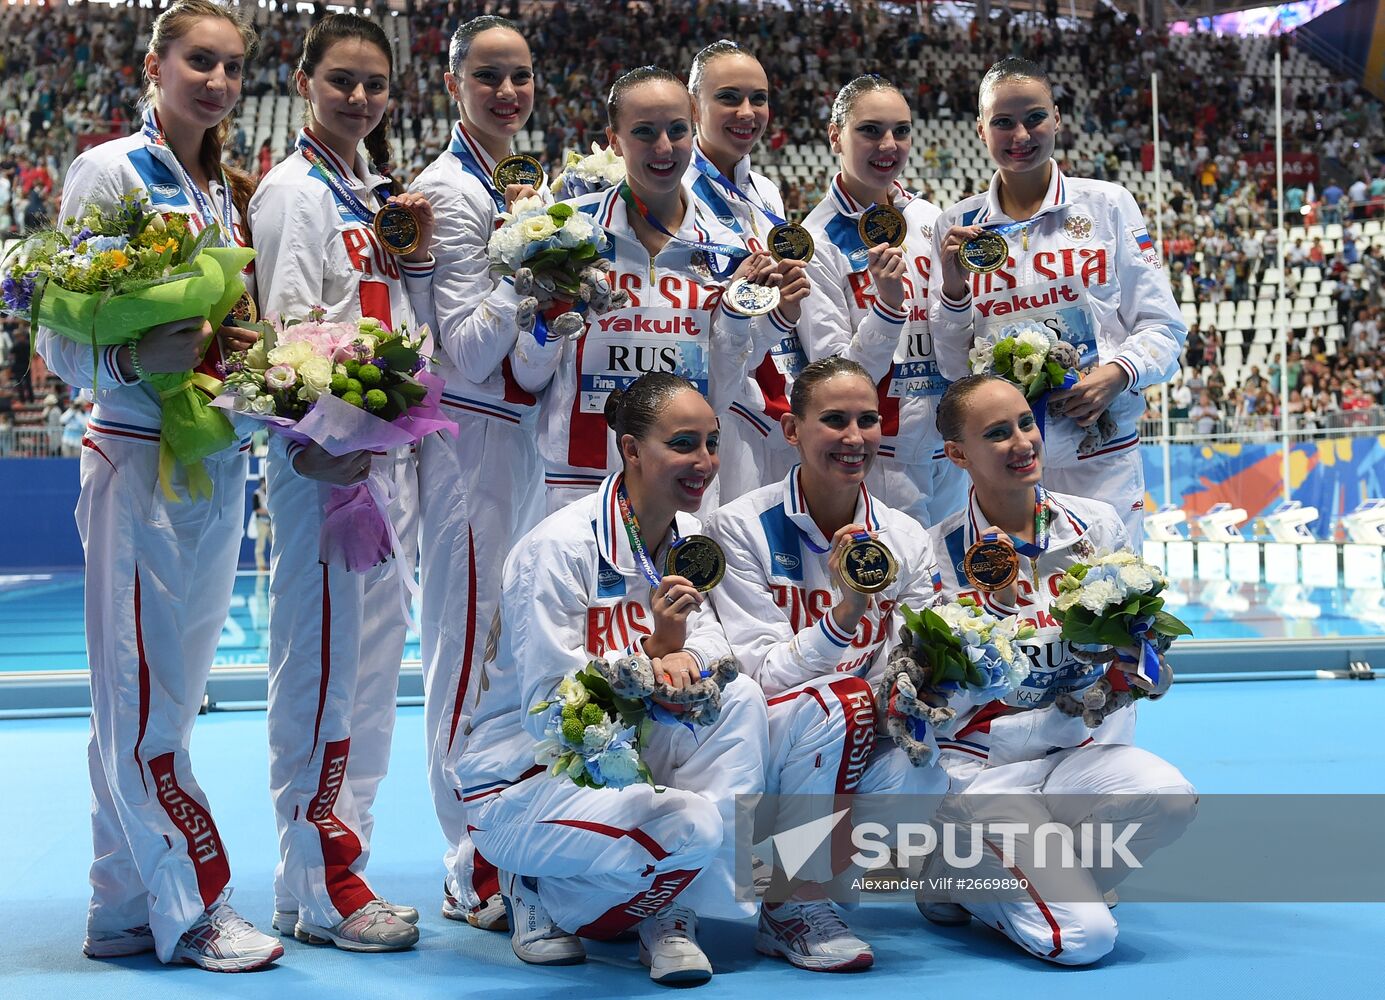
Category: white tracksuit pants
[1061,788]
[158,587]
[607,858]
[478,493]
[823,743]
[336,640]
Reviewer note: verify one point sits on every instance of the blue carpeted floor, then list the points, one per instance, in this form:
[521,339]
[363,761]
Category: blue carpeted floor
[1313,737]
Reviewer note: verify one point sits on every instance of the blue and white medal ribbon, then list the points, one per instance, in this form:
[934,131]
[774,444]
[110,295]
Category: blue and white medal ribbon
[471,165]
[343,194]
[225,223]
[713,173]
[712,250]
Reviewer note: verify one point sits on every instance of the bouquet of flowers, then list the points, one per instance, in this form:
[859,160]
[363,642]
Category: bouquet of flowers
[1114,602]
[1034,359]
[605,712]
[587,174]
[554,254]
[956,647]
[347,387]
[107,278]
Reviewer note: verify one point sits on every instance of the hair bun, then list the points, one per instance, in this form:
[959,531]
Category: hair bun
[615,402]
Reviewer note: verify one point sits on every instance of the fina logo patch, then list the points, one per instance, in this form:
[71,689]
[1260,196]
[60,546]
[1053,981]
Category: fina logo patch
[608,577]
[166,190]
[785,560]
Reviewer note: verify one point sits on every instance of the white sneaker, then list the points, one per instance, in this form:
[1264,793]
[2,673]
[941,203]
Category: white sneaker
[118,944]
[668,947]
[286,921]
[811,935]
[534,936]
[223,941]
[374,927]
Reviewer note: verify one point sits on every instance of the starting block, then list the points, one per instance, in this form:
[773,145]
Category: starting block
[1289,522]
[1222,523]
[1366,524]
[1164,525]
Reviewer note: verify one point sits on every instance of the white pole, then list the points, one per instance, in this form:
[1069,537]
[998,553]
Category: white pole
[1280,305]
[1159,243]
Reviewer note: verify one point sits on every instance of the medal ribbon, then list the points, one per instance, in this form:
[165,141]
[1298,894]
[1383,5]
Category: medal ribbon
[713,250]
[713,173]
[632,532]
[343,194]
[155,134]
[472,166]
[1005,228]
[1043,517]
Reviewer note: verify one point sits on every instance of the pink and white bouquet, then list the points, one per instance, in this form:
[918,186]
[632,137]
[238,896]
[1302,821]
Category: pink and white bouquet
[346,387]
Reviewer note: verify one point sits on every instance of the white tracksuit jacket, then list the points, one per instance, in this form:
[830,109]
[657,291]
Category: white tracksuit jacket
[1085,266]
[158,588]
[775,604]
[844,316]
[1040,766]
[753,450]
[572,593]
[675,322]
[336,638]
[478,492]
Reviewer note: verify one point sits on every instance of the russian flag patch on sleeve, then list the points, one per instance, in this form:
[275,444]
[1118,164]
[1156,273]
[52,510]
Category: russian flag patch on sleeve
[1145,246]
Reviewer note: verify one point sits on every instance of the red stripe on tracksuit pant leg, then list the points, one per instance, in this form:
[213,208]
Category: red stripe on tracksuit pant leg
[143,679]
[340,845]
[637,835]
[619,919]
[192,819]
[459,696]
[1053,925]
[858,743]
[485,880]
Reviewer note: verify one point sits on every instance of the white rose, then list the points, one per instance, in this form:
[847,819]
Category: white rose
[256,356]
[1096,597]
[316,375]
[540,227]
[263,405]
[526,208]
[1137,579]
[292,354]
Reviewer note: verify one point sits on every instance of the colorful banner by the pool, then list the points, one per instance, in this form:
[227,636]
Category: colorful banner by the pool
[1332,474]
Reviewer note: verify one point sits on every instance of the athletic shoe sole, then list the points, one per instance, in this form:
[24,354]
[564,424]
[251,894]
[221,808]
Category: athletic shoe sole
[767,945]
[232,964]
[691,976]
[122,950]
[311,934]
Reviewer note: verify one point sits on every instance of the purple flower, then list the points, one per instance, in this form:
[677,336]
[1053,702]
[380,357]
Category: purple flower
[82,237]
[382,365]
[419,365]
[18,294]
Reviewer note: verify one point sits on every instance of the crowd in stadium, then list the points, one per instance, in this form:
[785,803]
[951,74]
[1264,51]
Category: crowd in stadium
[75,70]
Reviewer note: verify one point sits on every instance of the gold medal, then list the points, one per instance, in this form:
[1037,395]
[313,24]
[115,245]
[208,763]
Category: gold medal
[244,311]
[517,169]
[882,224]
[991,566]
[790,241]
[867,566]
[397,228]
[984,253]
[698,559]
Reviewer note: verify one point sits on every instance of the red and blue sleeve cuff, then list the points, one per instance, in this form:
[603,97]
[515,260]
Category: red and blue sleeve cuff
[1132,376]
[110,364]
[888,313]
[829,626]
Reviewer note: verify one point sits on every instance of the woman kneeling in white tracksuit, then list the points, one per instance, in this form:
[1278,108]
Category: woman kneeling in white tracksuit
[583,586]
[1045,760]
[816,645]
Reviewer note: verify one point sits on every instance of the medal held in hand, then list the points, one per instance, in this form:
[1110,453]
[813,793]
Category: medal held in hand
[882,224]
[698,559]
[984,253]
[790,241]
[244,311]
[517,169]
[752,299]
[991,565]
[868,567]
[397,229]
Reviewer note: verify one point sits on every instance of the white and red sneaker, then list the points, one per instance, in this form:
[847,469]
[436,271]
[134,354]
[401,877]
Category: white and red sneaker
[118,944]
[811,935]
[223,941]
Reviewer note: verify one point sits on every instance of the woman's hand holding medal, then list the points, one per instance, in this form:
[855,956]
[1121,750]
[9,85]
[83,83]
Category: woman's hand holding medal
[517,192]
[851,604]
[791,278]
[419,207]
[955,278]
[670,605]
[887,267]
